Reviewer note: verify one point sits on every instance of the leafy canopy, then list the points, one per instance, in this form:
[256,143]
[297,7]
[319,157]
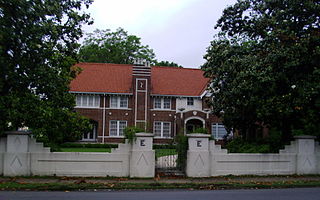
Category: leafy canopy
[118,47]
[265,66]
[38,42]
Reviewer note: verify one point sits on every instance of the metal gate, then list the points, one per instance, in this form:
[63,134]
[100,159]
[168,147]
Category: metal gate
[166,159]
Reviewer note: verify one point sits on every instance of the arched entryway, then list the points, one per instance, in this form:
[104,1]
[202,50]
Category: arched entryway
[193,123]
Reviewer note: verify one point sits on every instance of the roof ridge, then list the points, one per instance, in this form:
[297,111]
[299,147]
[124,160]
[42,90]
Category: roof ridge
[178,68]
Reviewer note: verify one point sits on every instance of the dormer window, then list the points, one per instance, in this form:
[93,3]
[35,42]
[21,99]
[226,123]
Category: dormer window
[118,102]
[190,101]
[162,103]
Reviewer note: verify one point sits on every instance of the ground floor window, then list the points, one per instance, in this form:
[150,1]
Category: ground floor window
[92,134]
[117,127]
[162,129]
[218,131]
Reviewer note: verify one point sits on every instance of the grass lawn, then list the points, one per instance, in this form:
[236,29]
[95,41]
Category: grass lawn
[86,150]
[165,152]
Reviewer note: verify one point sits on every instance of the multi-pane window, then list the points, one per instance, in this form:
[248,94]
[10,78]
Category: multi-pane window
[116,128]
[91,135]
[218,131]
[119,102]
[157,103]
[190,101]
[162,103]
[162,129]
[88,101]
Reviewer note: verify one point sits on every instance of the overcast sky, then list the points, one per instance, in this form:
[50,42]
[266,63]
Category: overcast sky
[177,30]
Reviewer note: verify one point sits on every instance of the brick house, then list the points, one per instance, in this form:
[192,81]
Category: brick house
[167,100]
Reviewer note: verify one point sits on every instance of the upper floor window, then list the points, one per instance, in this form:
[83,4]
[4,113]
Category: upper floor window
[190,101]
[88,101]
[218,131]
[117,127]
[162,103]
[162,129]
[119,102]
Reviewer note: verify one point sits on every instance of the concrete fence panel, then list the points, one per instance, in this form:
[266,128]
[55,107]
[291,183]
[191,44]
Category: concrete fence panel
[300,157]
[21,155]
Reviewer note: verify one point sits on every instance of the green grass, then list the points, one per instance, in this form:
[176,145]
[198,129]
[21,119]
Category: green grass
[155,185]
[86,150]
[165,152]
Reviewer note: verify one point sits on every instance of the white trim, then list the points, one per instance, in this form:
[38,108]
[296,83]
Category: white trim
[104,118]
[111,93]
[203,94]
[167,110]
[136,100]
[165,95]
[141,74]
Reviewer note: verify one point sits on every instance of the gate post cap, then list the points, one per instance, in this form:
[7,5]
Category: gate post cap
[198,135]
[144,134]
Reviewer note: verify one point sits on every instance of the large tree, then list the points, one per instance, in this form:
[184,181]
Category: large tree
[38,42]
[265,66]
[167,64]
[114,47]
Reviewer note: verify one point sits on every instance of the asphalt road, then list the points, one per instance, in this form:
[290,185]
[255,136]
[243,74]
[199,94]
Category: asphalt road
[270,194]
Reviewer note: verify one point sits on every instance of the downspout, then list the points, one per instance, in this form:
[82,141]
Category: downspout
[104,118]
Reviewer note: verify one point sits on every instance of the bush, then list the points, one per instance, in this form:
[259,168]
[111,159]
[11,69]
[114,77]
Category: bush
[130,133]
[200,130]
[164,146]
[182,149]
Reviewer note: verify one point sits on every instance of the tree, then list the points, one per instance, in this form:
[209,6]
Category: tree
[38,42]
[118,47]
[167,63]
[264,65]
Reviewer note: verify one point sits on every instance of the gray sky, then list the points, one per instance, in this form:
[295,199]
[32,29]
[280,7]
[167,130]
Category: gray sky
[177,30]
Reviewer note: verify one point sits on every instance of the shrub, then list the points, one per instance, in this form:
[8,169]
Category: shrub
[130,133]
[200,130]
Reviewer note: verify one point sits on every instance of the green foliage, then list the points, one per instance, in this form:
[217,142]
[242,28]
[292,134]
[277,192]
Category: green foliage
[182,149]
[164,146]
[271,144]
[37,49]
[118,47]
[130,133]
[167,63]
[200,130]
[265,67]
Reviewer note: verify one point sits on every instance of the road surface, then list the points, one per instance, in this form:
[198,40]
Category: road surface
[268,194]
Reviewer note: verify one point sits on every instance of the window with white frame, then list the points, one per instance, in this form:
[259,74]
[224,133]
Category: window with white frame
[92,134]
[90,101]
[218,131]
[162,129]
[190,101]
[118,102]
[162,103]
[116,128]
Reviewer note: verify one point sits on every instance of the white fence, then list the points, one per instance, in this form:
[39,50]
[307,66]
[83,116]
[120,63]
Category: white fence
[21,155]
[205,159]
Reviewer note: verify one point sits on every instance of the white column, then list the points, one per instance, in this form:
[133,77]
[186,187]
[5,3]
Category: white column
[142,159]
[306,157]
[17,157]
[198,159]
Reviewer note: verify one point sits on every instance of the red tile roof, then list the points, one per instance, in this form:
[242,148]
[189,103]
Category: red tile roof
[117,78]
